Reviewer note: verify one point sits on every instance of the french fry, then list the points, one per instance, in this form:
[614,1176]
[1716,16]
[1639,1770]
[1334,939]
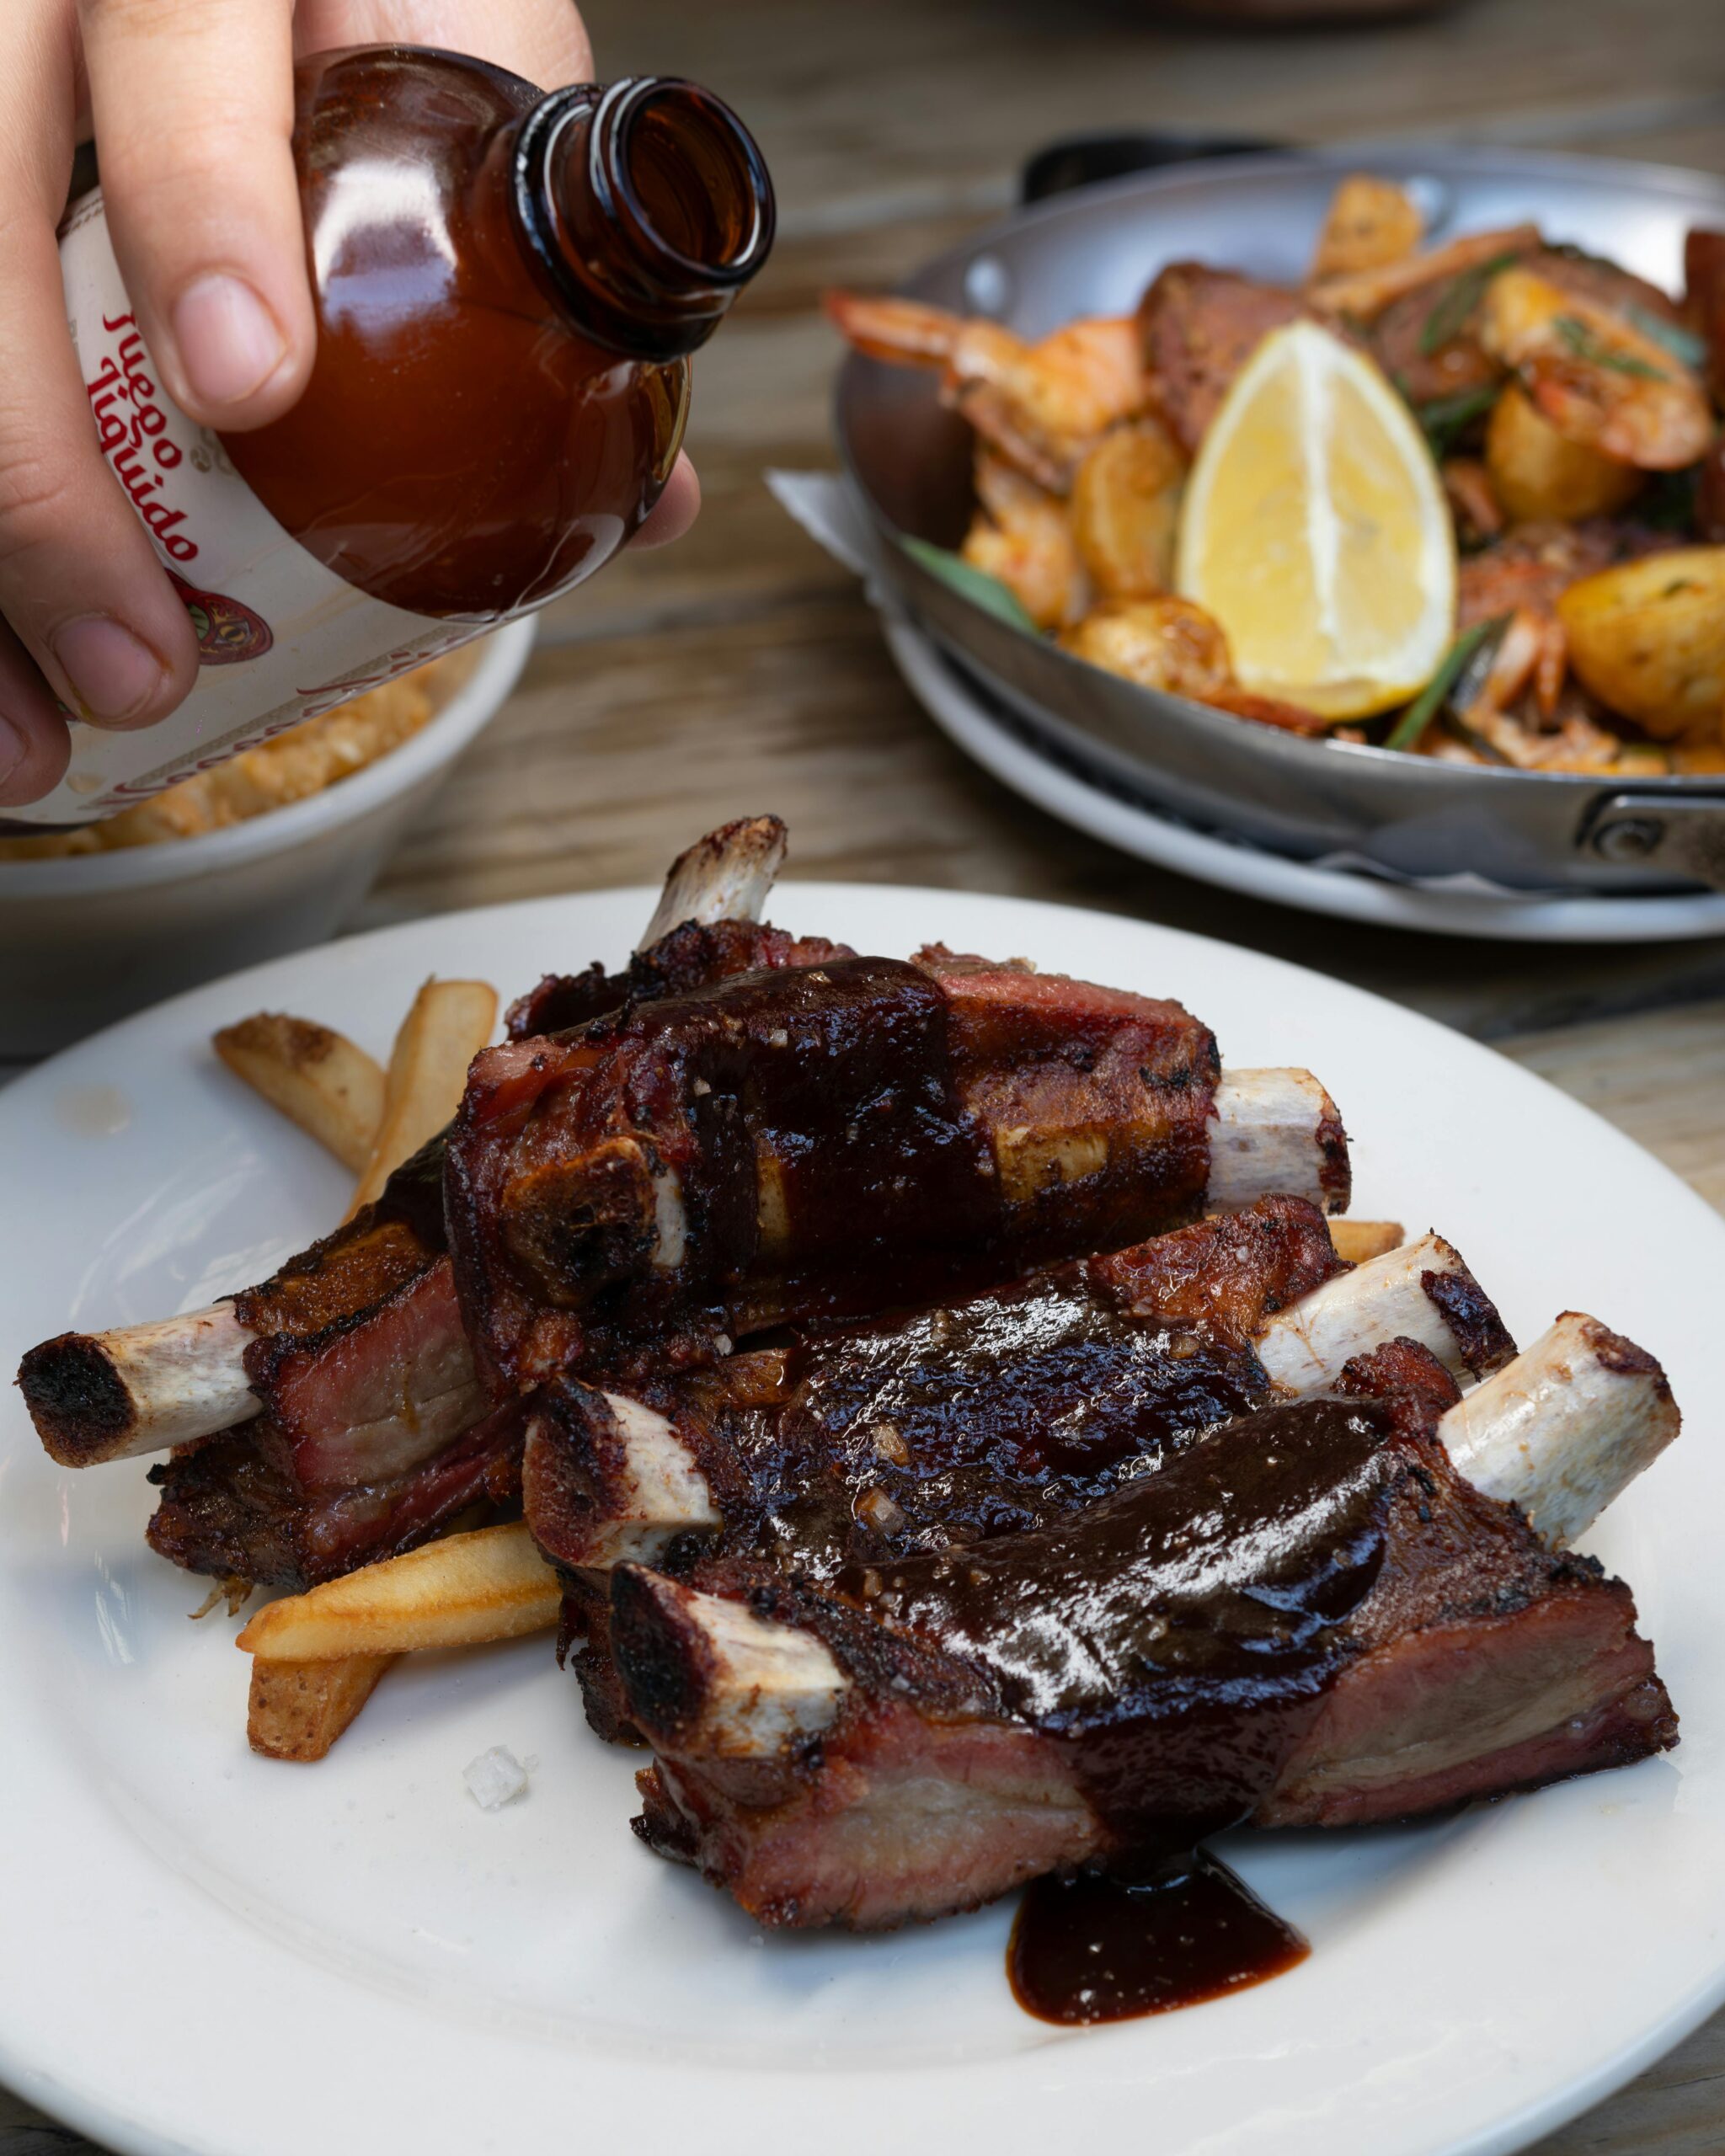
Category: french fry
[317,1079]
[490,1584]
[298,1709]
[1356,1240]
[451,1021]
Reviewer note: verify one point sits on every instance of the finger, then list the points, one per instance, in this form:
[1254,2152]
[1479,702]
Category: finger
[34,743]
[80,581]
[675,510]
[544,40]
[193,105]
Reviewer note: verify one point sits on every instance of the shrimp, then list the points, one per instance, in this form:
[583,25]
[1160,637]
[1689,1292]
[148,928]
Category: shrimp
[1021,534]
[1363,297]
[1171,645]
[1041,405]
[1599,382]
[1523,574]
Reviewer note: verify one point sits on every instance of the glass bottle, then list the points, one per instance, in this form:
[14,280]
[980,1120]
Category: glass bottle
[508,286]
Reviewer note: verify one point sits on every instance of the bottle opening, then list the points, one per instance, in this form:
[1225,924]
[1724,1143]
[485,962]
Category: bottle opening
[693,182]
[649,206]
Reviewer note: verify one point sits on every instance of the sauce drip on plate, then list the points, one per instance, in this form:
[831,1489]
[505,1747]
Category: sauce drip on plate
[1097,1948]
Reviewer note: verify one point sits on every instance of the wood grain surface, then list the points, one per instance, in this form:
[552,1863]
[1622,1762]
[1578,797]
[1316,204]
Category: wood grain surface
[742,669]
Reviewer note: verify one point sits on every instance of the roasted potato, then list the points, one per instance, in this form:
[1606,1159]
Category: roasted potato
[1648,639]
[1162,643]
[1370,222]
[1537,474]
[1126,510]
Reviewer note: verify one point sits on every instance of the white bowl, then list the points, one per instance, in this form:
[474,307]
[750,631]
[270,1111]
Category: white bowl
[85,940]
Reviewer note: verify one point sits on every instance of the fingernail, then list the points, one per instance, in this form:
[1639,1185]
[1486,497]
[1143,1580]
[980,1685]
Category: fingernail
[12,748]
[111,674]
[229,342]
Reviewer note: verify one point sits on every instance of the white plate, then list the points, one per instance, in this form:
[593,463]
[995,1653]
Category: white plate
[207,1951]
[1007,747]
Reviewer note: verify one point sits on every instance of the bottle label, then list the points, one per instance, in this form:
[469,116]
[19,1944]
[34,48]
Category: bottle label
[280,637]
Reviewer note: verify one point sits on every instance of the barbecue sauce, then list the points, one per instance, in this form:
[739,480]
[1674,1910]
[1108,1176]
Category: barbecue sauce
[1100,1947]
[508,287]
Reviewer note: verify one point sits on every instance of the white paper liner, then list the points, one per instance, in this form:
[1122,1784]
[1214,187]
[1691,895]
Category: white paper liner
[826,505]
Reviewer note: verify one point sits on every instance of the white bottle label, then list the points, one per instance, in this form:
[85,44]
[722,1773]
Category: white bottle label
[280,637]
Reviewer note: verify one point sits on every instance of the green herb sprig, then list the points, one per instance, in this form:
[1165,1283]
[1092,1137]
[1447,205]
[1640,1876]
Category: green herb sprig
[1445,419]
[1451,316]
[1586,345]
[970,583]
[1410,729]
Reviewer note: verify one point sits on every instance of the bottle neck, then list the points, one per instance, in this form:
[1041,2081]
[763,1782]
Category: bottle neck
[647,206]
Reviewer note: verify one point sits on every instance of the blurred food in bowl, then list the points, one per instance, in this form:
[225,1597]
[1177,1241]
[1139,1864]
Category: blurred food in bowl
[1417,499]
[317,753]
[91,935]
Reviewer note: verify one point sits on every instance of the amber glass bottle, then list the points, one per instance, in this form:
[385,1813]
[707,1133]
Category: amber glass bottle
[507,288]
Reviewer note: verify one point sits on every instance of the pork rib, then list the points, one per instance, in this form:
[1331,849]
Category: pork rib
[949,1427]
[830,1139]
[1311,1618]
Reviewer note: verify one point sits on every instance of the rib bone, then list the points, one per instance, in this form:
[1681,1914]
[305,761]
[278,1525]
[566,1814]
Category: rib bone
[111,1396]
[646,1485]
[1423,1292]
[724,877]
[1276,1130]
[711,1677]
[1560,1431]
[1564,1428]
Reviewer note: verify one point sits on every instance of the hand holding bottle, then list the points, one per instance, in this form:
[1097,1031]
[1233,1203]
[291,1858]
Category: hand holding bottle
[193,106]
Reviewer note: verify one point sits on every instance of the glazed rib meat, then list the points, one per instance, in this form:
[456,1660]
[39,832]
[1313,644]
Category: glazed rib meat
[820,1142]
[1309,1617]
[946,1428]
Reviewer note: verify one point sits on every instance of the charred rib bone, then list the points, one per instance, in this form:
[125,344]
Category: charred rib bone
[1566,1427]
[727,876]
[1421,1292]
[114,1395]
[1274,1130]
[710,1677]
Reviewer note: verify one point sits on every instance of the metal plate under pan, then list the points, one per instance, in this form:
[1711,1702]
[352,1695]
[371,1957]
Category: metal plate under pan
[1093,252]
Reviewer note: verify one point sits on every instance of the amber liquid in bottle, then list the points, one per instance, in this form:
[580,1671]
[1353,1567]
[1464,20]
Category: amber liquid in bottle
[508,288]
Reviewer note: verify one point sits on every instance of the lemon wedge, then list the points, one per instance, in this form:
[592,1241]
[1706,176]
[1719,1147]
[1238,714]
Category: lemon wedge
[1316,531]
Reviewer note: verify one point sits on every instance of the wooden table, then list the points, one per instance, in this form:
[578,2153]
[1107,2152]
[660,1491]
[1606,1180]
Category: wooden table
[742,670]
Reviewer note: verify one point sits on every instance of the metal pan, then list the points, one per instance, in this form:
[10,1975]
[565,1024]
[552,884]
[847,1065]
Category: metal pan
[1093,252]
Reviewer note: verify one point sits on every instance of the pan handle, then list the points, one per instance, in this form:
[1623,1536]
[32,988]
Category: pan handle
[1684,835]
[1082,160]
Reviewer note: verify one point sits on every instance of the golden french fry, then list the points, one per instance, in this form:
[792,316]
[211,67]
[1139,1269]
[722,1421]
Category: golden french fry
[1356,1240]
[317,1078]
[298,1709]
[451,1021]
[490,1584]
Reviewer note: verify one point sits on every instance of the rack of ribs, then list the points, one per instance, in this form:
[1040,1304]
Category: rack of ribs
[750,1128]
[1310,1616]
[937,1428]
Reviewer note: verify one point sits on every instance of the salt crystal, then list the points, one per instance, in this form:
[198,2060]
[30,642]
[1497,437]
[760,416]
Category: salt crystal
[495,1777]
